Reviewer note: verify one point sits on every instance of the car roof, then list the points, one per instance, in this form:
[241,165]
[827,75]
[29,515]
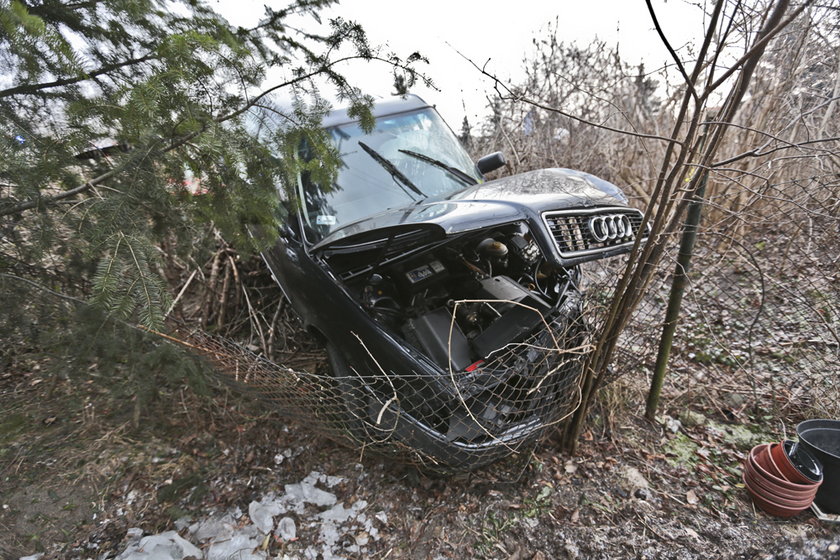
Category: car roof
[390,106]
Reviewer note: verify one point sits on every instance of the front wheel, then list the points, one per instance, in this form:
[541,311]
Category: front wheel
[352,411]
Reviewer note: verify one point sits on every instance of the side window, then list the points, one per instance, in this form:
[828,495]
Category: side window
[319,214]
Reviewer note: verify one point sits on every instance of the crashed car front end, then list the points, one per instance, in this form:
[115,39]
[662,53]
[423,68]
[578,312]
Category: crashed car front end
[451,307]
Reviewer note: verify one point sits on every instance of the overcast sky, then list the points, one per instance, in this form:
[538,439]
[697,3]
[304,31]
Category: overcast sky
[497,33]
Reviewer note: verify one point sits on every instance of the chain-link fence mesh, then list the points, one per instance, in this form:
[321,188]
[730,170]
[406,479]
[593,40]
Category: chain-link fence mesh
[763,300]
[458,420]
[760,321]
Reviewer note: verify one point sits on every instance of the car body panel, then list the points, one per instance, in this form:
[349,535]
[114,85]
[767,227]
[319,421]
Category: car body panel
[519,197]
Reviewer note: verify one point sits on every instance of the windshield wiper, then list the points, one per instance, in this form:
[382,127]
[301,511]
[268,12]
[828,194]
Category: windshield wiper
[391,168]
[461,175]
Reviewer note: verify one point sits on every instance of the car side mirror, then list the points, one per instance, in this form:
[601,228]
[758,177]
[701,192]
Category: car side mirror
[491,162]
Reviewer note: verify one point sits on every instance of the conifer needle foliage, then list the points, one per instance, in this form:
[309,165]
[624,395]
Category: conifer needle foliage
[126,122]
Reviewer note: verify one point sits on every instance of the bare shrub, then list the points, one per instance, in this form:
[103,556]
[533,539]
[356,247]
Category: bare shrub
[601,88]
[760,316]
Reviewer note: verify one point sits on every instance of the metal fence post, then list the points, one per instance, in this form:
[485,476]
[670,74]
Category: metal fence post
[689,236]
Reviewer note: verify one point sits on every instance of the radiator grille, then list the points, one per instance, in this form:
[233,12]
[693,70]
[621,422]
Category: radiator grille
[580,233]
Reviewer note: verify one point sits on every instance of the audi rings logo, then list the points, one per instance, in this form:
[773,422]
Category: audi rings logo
[610,227]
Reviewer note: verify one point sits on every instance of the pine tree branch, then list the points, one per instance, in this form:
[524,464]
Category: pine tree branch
[48,200]
[107,273]
[43,10]
[141,277]
[325,68]
[255,101]
[43,288]
[277,16]
[27,89]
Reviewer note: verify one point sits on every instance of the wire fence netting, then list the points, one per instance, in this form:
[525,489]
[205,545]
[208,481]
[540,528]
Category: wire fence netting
[759,321]
[459,420]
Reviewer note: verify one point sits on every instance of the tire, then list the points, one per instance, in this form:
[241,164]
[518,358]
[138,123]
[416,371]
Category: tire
[351,410]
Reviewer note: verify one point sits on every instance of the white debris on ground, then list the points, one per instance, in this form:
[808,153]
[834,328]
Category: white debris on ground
[336,529]
[159,547]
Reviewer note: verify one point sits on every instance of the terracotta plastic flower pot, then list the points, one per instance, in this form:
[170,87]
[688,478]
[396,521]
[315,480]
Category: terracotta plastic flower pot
[768,487]
[762,457]
[771,491]
[772,507]
[761,461]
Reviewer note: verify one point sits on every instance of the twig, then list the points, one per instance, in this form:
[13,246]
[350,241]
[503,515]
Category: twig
[272,328]
[181,293]
[220,319]
[252,314]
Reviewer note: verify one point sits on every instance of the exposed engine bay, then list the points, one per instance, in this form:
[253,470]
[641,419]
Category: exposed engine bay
[462,300]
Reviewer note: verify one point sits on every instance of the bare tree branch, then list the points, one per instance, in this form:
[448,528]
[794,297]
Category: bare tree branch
[758,46]
[511,95]
[789,146]
[688,83]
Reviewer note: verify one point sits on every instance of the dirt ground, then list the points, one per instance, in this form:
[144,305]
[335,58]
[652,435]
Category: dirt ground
[76,475]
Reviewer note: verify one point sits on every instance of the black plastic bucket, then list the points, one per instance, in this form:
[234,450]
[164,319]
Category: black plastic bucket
[822,439]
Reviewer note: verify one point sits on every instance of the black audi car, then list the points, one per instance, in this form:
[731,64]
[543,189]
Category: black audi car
[450,306]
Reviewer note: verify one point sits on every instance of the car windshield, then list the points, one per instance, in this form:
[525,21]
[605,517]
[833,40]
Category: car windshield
[407,158]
